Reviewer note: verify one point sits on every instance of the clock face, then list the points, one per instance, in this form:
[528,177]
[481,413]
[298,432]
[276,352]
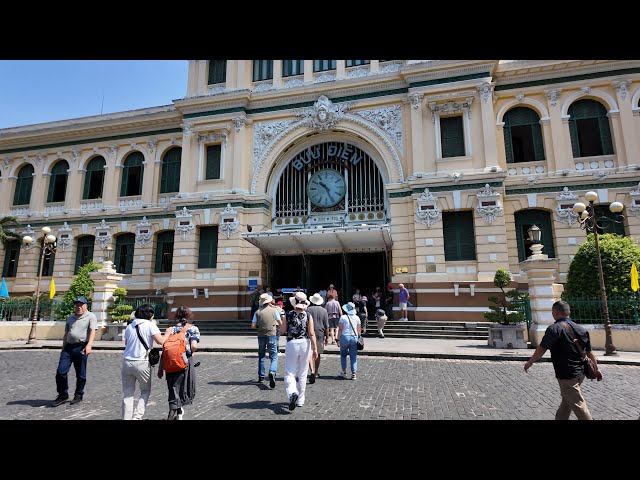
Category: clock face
[326,188]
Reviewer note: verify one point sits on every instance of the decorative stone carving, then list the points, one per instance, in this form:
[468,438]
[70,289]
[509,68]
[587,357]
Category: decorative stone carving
[143,232]
[216,90]
[621,87]
[324,114]
[634,207]
[75,153]
[113,149]
[293,82]
[450,108]
[6,161]
[263,87]
[324,77]
[28,231]
[229,220]
[264,133]
[358,72]
[564,209]
[489,207]
[103,235]
[152,144]
[585,90]
[40,159]
[416,100]
[485,90]
[186,129]
[390,67]
[553,95]
[16,211]
[91,205]
[427,211]
[388,119]
[64,236]
[133,203]
[239,122]
[456,176]
[520,98]
[184,223]
[531,179]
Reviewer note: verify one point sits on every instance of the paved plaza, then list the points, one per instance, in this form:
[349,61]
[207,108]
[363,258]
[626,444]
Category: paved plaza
[388,388]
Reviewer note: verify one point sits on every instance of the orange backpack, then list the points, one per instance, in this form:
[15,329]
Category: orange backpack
[174,351]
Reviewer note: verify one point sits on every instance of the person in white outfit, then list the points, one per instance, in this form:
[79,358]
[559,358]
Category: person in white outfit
[135,362]
[298,327]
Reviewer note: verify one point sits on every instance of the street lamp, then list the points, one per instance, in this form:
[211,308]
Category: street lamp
[47,248]
[535,235]
[589,222]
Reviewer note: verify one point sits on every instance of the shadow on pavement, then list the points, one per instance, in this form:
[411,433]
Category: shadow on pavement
[32,403]
[277,408]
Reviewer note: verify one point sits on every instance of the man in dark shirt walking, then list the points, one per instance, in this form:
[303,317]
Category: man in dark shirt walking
[567,361]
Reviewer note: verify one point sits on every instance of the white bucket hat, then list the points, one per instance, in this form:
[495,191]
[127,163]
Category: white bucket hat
[299,297]
[316,299]
[265,298]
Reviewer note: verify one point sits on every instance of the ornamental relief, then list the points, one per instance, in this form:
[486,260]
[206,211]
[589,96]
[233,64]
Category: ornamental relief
[229,221]
[428,212]
[489,207]
[564,210]
[634,206]
[388,119]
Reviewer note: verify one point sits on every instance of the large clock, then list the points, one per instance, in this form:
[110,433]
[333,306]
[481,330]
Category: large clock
[326,188]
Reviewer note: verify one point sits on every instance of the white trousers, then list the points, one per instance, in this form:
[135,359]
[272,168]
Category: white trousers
[133,370]
[296,365]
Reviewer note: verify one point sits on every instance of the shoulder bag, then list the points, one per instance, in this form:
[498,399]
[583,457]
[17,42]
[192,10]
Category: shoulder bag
[360,341]
[153,354]
[590,368]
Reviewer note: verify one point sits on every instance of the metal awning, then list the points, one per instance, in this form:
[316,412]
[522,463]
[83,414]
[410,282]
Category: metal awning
[318,241]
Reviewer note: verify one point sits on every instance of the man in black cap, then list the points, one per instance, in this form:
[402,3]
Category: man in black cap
[77,342]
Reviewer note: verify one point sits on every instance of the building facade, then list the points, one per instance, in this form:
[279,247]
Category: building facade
[312,172]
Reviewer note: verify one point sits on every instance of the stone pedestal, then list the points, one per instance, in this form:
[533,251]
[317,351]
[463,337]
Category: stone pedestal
[507,336]
[106,281]
[544,292]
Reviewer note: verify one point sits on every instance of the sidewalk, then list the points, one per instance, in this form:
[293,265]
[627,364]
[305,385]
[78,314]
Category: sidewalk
[389,347]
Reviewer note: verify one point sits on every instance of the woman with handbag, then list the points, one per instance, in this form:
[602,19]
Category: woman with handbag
[349,329]
[138,338]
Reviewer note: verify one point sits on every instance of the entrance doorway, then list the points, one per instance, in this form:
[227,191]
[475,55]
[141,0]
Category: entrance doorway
[346,272]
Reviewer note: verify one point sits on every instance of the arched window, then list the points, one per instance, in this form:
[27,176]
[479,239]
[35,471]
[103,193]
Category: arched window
[164,252]
[94,179]
[589,129]
[11,256]
[523,136]
[125,244]
[84,254]
[524,220]
[58,182]
[132,172]
[22,195]
[170,178]
[49,261]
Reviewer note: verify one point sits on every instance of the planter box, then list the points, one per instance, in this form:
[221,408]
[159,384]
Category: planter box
[114,331]
[507,336]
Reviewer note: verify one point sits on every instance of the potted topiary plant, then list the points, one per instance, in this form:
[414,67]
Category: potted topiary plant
[119,314]
[508,327]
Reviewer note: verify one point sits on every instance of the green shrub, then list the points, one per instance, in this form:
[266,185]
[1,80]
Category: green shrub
[503,310]
[119,311]
[81,286]
[617,253]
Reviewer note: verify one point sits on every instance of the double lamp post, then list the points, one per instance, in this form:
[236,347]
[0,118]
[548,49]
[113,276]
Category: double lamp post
[47,247]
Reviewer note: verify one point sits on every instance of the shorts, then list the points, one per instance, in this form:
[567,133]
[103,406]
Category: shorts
[334,322]
[402,305]
[320,344]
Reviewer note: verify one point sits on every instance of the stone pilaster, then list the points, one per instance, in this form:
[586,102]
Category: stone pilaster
[488,125]
[106,281]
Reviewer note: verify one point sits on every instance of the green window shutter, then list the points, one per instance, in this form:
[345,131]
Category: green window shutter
[58,182]
[508,144]
[124,252]
[459,236]
[164,252]
[132,173]
[11,257]
[324,65]
[170,179]
[217,71]
[606,219]
[22,195]
[573,133]
[84,254]
[94,179]
[589,109]
[262,70]
[292,67]
[524,219]
[208,248]
[47,266]
[538,146]
[518,117]
[214,153]
[452,136]
[354,63]
[605,135]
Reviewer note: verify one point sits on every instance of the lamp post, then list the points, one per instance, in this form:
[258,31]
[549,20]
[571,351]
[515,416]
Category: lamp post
[107,262]
[589,222]
[47,248]
[535,234]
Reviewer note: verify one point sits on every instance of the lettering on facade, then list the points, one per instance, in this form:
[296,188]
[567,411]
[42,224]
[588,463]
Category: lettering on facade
[341,153]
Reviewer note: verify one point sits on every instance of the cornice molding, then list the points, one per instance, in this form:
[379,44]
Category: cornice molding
[412,73]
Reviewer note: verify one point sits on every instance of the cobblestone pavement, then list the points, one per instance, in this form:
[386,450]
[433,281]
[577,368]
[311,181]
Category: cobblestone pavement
[387,388]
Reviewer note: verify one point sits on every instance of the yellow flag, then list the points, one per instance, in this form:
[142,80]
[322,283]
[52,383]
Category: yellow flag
[634,277]
[52,289]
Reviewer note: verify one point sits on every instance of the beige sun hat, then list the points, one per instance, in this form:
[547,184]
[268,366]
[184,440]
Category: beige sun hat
[316,299]
[299,297]
[265,298]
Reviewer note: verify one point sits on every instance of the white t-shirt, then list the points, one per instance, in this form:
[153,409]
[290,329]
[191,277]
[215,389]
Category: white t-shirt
[134,350]
[346,325]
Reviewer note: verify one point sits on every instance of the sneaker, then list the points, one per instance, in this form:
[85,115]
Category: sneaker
[260,380]
[59,400]
[342,374]
[292,401]
[312,378]
[76,399]
[353,376]
[272,380]
[179,414]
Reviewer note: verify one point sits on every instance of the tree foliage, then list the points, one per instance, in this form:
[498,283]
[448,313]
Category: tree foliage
[617,253]
[120,311]
[81,286]
[502,308]
[7,226]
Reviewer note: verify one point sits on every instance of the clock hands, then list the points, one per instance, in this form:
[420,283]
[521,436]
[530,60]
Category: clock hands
[327,189]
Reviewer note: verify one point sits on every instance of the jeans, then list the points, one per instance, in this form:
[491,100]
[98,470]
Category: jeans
[72,353]
[348,343]
[270,344]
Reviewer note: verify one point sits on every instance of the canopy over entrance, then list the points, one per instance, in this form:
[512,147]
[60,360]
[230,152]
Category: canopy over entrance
[351,239]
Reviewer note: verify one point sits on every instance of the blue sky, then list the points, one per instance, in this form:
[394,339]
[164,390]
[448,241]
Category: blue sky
[37,91]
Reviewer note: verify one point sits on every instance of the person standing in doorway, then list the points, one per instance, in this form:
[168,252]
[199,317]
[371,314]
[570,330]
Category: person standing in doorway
[77,343]
[403,299]
[332,291]
[567,360]
[321,329]
[333,311]
[267,321]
